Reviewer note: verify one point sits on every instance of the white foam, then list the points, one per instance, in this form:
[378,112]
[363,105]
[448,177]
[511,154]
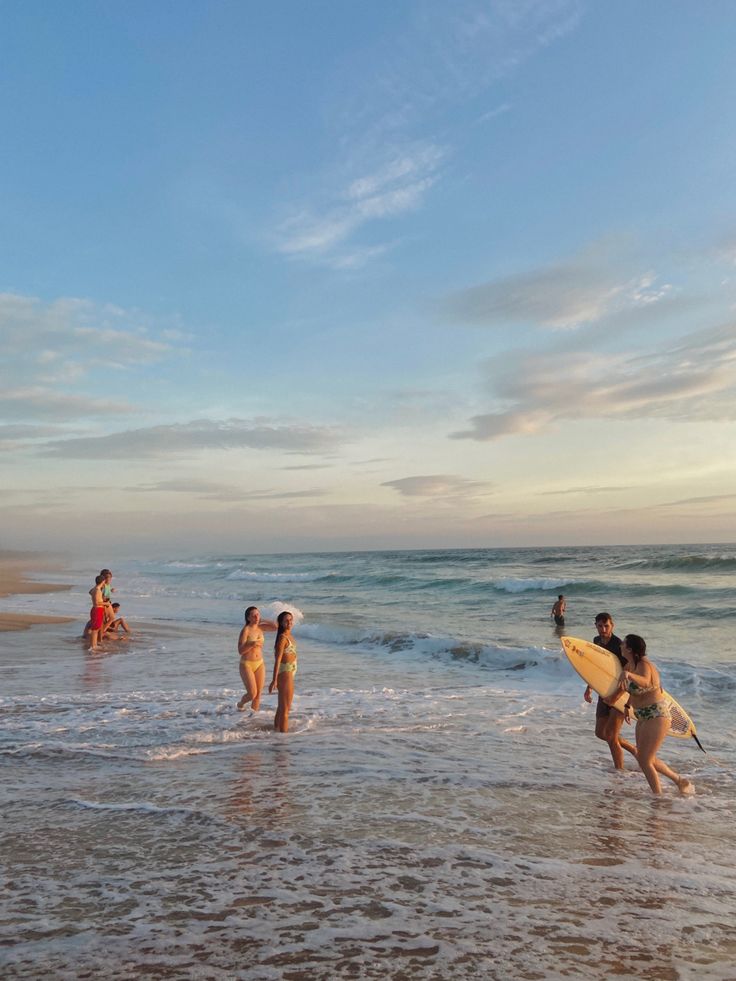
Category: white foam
[248,576]
[525,585]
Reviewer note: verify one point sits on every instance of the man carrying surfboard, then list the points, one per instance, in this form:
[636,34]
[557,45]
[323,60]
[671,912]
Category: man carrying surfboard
[608,720]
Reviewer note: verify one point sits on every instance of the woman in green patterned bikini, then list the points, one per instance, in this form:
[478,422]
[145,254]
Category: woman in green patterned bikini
[651,709]
[284,670]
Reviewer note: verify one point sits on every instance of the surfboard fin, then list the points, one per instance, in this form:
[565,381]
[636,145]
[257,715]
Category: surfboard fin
[700,745]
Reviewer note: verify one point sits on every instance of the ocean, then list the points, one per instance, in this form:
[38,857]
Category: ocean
[439,809]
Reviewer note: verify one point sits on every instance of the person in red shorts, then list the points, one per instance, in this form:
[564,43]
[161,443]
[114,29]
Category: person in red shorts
[97,613]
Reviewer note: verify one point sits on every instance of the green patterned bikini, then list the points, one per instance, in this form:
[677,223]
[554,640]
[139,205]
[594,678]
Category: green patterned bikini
[657,710]
[288,667]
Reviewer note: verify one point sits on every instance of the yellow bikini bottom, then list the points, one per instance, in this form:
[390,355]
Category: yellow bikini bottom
[253,665]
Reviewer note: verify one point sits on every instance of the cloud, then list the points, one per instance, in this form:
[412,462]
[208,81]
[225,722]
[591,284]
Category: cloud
[438,486]
[589,489]
[226,493]
[24,431]
[46,340]
[564,295]
[445,55]
[692,379]
[41,403]
[493,113]
[52,349]
[184,439]
[397,185]
[707,500]
[21,436]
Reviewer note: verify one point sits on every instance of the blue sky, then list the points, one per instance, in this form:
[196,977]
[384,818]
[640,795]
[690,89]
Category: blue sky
[334,275]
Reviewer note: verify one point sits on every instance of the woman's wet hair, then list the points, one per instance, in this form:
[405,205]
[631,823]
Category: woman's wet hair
[282,628]
[637,645]
[248,612]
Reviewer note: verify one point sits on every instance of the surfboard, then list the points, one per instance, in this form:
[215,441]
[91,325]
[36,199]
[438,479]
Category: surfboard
[597,667]
[601,670]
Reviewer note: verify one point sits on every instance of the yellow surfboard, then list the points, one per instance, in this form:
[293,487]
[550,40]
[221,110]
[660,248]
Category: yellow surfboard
[597,667]
[601,670]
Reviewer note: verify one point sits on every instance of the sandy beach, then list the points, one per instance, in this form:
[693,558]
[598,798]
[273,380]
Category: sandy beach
[15,567]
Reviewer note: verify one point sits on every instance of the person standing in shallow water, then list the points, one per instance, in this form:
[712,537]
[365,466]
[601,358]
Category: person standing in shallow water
[608,720]
[558,611]
[250,649]
[640,679]
[284,670]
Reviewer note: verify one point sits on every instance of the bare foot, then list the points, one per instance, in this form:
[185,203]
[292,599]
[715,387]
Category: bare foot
[243,702]
[685,787]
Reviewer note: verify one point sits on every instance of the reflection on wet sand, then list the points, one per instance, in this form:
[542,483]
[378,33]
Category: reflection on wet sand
[260,784]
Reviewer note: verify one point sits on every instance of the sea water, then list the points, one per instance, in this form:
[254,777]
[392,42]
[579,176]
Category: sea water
[439,809]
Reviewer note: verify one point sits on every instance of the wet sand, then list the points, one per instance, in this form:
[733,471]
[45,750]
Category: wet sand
[15,568]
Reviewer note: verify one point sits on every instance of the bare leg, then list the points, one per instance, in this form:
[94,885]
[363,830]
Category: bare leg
[286,696]
[608,728]
[251,686]
[260,678]
[650,735]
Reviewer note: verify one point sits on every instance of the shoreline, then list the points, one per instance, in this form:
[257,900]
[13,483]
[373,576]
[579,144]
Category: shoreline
[14,568]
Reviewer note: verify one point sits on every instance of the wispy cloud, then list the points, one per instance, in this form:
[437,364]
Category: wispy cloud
[493,113]
[706,500]
[694,378]
[51,348]
[44,403]
[44,339]
[223,493]
[397,185]
[28,431]
[564,295]
[438,486]
[588,489]
[444,55]
[185,439]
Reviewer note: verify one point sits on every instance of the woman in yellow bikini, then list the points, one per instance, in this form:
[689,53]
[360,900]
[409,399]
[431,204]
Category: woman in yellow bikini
[250,649]
[651,709]
[284,669]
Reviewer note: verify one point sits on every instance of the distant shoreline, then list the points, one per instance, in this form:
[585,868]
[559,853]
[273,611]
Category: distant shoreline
[14,568]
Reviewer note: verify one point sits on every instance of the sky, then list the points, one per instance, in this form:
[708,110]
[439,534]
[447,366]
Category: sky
[296,276]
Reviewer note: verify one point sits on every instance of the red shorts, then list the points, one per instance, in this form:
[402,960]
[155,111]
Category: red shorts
[96,615]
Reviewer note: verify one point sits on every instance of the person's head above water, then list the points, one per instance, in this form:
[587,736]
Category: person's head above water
[252,615]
